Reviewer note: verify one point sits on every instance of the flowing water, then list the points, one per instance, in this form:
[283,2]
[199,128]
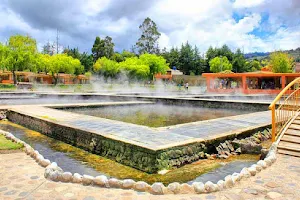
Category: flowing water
[157,115]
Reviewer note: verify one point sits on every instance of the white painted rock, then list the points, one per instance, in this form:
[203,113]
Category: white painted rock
[252,171]
[141,186]
[87,180]
[209,186]
[228,181]
[128,183]
[39,158]
[216,187]
[115,183]
[157,188]
[220,183]
[257,167]
[77,178]
[101,181]
[55,175]
[66,177]
[268,161]
[199,187]
[35,154]
[245,173]
[174,187]
[262,163]
[45,163]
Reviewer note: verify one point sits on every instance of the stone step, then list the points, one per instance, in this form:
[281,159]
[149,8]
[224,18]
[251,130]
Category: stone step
[294,126]
[292,132]
[290,153]
[296,121]
[289,146]
[291,139]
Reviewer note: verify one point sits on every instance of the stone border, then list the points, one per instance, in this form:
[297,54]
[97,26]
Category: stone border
[55,173]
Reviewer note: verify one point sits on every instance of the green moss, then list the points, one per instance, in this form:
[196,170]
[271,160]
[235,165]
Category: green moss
[6,144]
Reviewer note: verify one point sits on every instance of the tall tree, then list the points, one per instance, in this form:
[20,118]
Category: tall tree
[19,54]
[220,64]
[103,48]
[281,62]
[186,58]
[148,42]
[239,62]
[48,49]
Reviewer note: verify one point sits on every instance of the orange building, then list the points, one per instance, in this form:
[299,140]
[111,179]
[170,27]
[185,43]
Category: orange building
[42,78]
[262,82]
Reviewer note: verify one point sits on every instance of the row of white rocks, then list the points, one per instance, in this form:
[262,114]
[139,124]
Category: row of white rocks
[55,173]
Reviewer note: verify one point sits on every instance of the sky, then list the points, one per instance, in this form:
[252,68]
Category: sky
[252,25]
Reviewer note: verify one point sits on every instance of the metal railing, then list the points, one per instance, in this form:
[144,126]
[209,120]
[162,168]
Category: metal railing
[284,107]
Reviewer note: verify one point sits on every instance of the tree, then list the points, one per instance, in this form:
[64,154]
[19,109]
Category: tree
[219,64]
[238,63]
[19,54]
[186,58]
[157,64]
[281,62]
[87,61]
[107,68]
[48,49]
[62,63]
[148,42]
[103,48]
[254,65]
[134,68]
[72,52]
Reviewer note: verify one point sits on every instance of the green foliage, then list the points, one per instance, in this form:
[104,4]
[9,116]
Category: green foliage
[187,59]
[118,57]
[253,66]
[103,48]
[19,54]
[106,67]
[219,64]
[135,68]
[85,59]
[62,63]
[157,64]
[281,62]
[148,42]
[239,62]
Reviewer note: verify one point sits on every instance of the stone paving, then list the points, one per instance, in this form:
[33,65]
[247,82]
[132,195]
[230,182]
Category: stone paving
[152,138]
[22,178]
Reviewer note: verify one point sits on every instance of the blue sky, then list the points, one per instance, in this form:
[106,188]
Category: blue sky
[252,25]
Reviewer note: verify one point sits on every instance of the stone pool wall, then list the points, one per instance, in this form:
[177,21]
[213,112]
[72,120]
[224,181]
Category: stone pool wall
[128,154]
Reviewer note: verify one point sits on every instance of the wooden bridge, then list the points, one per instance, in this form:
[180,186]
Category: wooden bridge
[286,119]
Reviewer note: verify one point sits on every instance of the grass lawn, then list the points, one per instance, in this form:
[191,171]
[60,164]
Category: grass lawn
[8,145]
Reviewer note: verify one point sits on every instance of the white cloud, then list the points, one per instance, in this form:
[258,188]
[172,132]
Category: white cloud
[247,3]
[202,23]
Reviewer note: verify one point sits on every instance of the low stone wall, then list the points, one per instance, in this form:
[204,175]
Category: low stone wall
[128,154]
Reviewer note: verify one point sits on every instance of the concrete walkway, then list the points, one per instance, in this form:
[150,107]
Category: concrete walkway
[151,138]
[22,178]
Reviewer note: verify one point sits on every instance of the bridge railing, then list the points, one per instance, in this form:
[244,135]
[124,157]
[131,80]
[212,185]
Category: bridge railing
[284,107]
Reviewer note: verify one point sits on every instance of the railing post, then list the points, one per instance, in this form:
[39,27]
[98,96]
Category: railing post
[273,124]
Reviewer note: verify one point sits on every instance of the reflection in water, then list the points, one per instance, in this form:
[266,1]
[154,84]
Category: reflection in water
[157,115]
[73,159]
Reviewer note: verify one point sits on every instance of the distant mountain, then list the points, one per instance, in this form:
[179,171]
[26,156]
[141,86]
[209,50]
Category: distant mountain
[256,54]
[262,55]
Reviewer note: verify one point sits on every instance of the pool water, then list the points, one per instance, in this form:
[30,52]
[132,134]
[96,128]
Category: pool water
[73,159]
[157,115]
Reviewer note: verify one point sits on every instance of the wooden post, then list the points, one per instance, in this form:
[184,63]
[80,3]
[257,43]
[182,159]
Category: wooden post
[244,84]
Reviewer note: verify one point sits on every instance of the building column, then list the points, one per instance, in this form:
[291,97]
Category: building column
[244,83]
[282,82]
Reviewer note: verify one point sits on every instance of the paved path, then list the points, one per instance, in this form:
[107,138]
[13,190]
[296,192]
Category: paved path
[152,138]
[22,178]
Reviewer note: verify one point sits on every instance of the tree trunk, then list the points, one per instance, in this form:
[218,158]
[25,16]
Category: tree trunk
[14,77]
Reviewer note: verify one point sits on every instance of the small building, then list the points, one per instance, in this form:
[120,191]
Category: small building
[262,82]
[6,77]
[168,75]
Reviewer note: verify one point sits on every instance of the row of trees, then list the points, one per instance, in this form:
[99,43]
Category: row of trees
[20,54]
[136,68]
